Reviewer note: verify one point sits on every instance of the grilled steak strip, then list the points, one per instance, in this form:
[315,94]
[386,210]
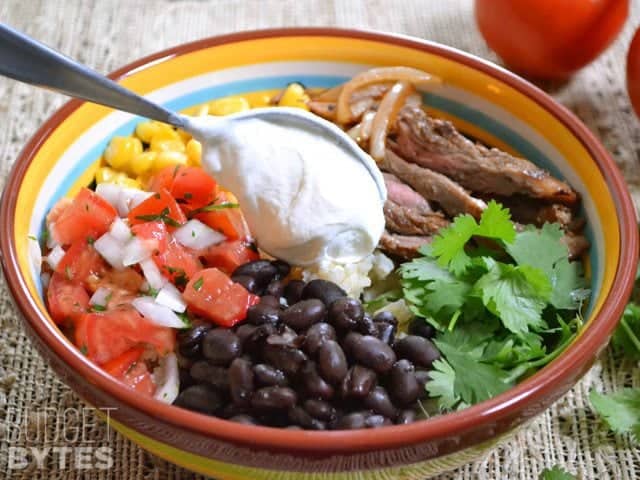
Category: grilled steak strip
[531,212]
[403,195]
[436,144]
[408,221]
[434,186]
[577,245]
[403,246]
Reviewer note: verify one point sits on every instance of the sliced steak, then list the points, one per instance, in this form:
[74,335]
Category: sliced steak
[403,195]
[408,221]
[403,246]
[434,186]
[436,144]
[531,212]
[577,245]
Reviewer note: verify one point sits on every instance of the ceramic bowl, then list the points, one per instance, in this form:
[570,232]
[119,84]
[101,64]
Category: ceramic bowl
[483,100]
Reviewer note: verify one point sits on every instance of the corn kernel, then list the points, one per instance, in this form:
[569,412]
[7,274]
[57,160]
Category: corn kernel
[184,136]
[142,162]
[169,158]
[121,151]
[202,110]
[145,131]
[160,144]
[294,96]
[126,181]
[228,105]
[105,175]
[257,101]
[194,153]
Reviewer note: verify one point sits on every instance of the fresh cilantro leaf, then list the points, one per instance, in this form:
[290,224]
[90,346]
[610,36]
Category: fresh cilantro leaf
[212,207]
[84,349]
[448,246]
[515,294]
[98,308]
[441,385]
[424,269]
[495,222]
[626,338]
[380,301]
[620,410]
[556,473]
[446,296]
[197,285]
[32,237]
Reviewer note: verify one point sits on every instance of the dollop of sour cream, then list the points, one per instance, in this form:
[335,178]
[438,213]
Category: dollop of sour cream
[305,197]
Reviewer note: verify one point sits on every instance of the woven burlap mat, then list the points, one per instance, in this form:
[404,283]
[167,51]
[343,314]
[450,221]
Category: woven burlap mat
[38,410]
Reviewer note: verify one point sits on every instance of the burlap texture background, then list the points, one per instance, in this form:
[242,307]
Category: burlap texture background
[106,34]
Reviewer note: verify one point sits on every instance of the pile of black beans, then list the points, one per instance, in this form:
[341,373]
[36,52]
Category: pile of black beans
[306,357]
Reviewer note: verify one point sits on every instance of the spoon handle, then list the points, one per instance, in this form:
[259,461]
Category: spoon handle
[23,58]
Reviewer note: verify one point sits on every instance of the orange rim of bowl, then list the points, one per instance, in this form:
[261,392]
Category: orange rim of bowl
[550,381]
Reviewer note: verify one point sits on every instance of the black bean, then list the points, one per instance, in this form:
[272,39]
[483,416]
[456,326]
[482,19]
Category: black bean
[262,270]
[203,371]
[201,398]
[345,313]
[293,291]
[189,341]
[248,282]
[420,351]
[403,386]
[366,326]
[419,326]
[386,332]
[271,301]
[373,353]
[285,336]
[300,416]
[282,267]
[313,384]
[285,358]
[274,398]
[220,346]
[241,382]
[358,383]
[323,290]
[244,419]
[244,331]
[422,376]
[348,342]
[268,375]
[406,417]
[352,421]
[186,380]
[332,362]
[386,317]
[378,400]
[377,421]
[275,288]
[303,314]
[293,427]
[320,409]
[263,313]
[316,335]
[257,339]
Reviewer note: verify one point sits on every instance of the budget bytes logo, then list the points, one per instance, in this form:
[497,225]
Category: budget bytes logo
[60,439]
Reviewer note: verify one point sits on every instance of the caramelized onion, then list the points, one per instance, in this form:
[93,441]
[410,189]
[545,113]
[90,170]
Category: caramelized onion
[420,79]
[323,109]
[391,103]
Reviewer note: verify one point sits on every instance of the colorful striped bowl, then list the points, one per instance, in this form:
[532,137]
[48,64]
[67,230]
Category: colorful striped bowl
[482,99]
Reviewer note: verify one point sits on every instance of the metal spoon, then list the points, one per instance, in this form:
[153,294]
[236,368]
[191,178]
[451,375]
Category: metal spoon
[27,60]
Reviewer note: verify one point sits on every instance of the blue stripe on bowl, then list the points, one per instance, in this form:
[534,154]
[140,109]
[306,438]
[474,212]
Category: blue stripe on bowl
[476,117]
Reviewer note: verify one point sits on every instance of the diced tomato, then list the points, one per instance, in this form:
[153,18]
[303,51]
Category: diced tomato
[81,262]
[131,371]
[164,178]
[127,279]
[103,336]
[192,187]
[214,296]
[160,206]
[174,261]
[67,300]
[88,216]
[227,256]
[228,221]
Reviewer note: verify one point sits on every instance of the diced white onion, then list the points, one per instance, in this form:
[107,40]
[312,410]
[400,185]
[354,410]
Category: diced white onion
[136,251]
[100,297]
[111,250]
[152,274]
[195,234]
[156,313]
[54,257]
[120,230]
[170,297]
[44,278]
[122,198]
[51,241]
[110,192]
[167,379]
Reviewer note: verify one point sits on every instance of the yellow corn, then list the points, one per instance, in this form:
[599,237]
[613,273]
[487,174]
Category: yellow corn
[105,175]
[262,100]
[126,181]
[162,144]
[201,111]
[169,158]
[228,105]
[143,162]
[294,96]
[194,153]
[121,151]
[145,131]
[184,136]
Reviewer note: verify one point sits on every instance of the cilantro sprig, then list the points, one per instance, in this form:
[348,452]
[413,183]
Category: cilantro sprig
[504,303]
